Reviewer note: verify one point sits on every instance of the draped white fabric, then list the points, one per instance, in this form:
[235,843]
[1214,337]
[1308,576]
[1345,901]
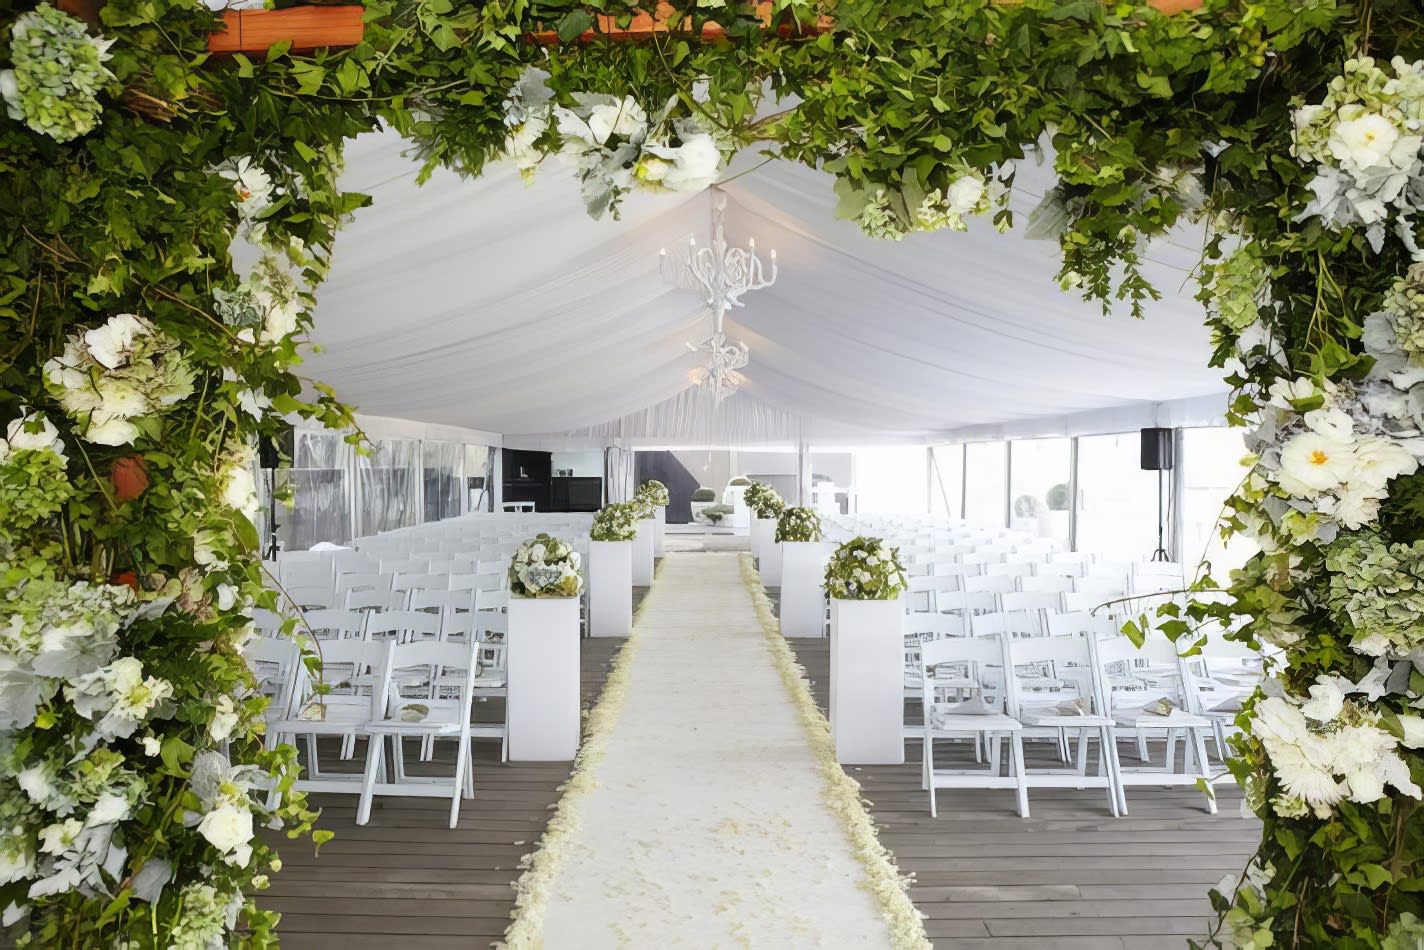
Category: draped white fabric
[490,305]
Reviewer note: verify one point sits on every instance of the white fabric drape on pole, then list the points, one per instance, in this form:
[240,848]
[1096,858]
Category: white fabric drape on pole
[619,472]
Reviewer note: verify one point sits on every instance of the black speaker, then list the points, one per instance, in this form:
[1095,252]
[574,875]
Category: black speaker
[270,448]
[1157,454]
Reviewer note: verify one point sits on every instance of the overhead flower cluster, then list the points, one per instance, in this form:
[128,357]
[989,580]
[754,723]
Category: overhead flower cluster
[763,500]
[892,213]
[612,142]
[57,74]
[798,524]
[111,378]
[264,308]
[1376,593]
[545,566]
[616,522]
[866,569]
[1365,139]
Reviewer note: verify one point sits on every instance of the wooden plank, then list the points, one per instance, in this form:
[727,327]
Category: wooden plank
[307,28]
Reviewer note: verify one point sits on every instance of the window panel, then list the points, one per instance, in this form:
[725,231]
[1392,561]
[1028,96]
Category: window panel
[1117,500]
[947,497]
[1039,488]
[985,491]
[1211,473]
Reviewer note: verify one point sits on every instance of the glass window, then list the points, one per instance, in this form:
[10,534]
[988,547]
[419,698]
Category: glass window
[1117,500]
[1211,473]
[947,495]
[320,484]
[833,479]
[388,489]
[441,473]
[1039,487]
[985,488]
[477,473]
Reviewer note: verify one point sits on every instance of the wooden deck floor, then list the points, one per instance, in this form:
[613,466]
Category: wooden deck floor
[406,879]
[1071,877]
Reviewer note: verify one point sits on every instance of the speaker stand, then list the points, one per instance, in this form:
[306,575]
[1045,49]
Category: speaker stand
[273,545]
[1161,553]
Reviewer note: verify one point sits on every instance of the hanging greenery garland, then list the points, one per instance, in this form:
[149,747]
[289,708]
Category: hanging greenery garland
[139,362]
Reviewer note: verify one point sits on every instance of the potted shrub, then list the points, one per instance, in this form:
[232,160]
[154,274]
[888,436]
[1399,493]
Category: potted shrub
[610,570]
[803,562]
[543,660]
[865,580]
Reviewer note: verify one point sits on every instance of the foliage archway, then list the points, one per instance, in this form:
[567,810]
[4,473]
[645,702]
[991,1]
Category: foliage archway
[134,160]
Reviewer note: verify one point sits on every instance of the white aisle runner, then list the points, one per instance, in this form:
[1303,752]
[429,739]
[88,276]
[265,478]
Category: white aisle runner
[707,826]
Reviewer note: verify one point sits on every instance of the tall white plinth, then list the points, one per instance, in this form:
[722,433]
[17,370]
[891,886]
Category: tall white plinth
[771,561]
[643,553]
[610,588]
[868,681]
[803,603]
[543,662]
[660,529]
[763,536]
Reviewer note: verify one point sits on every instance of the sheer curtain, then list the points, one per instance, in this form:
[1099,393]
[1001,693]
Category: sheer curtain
[618,473]
[388,487]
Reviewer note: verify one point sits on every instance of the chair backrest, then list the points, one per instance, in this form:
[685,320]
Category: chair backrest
[441,600]
[334,624]
[1099,625]
[498,566]
[304,568]
[968,602]
[363,580]
[275,663]
[1010,569]
[474,580]
[934,626]
[991,583]
[369,599]
[354,666]
[1046,584]
[267,623]
[1156,666]
[1017,624]
[403,565]
[403,625]
[310,598]
[983,652]
[1087,600]
[1068,659]
[417,580]
[349,562]
[1031,600]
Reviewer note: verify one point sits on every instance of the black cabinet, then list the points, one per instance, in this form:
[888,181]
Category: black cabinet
[528,476]
[576,494]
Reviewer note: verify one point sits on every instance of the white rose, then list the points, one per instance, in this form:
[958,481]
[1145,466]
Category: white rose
[695,164]
[110,344]
[1333,423]
[107,810]
[227,828]
[224,720]
[1325,701]
[625,118]
[111,432]
[1364,142]
[240,490]
[1379,460]
[964,195]
[1312,463]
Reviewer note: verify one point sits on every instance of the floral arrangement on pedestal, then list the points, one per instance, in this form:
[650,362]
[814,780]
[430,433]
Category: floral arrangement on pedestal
[616,522]
[764,501]
[655,493]
[798,524]
[545,566]
[865,569]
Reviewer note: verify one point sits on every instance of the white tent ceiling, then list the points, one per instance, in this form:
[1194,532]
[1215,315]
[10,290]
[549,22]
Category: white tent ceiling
[493,305]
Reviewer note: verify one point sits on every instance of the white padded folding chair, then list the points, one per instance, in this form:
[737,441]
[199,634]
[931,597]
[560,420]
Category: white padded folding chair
[422,717]
[982,717]
[334,624]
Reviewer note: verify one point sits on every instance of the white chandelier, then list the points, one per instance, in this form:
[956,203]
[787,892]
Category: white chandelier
[720,275]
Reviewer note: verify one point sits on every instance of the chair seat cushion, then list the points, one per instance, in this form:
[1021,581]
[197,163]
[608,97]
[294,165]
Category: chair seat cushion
[945,719]
[1144,718]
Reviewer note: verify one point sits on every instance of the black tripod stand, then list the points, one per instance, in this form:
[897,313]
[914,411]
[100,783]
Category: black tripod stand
[273,545]
[1161,553]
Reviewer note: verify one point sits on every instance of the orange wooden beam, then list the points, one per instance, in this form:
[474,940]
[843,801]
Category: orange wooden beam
[308,28]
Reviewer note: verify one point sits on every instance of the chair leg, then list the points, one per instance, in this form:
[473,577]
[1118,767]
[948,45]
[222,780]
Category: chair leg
[927,760]
[374,747]
[1082,762]
[1115,769]
[1021,788]
[398,757]
[458,785]
[1107,772]
[1141,745]
[1203,770]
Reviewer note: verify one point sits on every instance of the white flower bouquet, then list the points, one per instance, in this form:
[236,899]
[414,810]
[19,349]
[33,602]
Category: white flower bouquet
[616,522]
[764,501]
[545,567]
[110,378]
[58,74]
[654,492]
[1365,141]
[865,569]
[798,524]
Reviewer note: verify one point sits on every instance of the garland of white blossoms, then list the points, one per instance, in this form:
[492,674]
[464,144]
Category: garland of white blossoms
[616,522]
[545,566]
[613,143]
[865,569]
[798,524]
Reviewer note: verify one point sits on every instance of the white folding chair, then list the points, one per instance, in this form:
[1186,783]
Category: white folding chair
[276,664]
[990,583]
[423,717]
[1046,584]
[334,624]
[1036,605]
[1068,700]
[982,716]
[403,626]
[1151,699]
[363,580]
[1101,599]
[304,568]
[308,598]
[925,589]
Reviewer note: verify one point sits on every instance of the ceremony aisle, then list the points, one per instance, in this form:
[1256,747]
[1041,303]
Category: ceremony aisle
[703,821]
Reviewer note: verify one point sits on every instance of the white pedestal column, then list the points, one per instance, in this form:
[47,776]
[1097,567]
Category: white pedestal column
[771,561]
[610,588]
[803,604]
[543,705]
[868,681]
[660,520]
[643,553]
[763,533]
